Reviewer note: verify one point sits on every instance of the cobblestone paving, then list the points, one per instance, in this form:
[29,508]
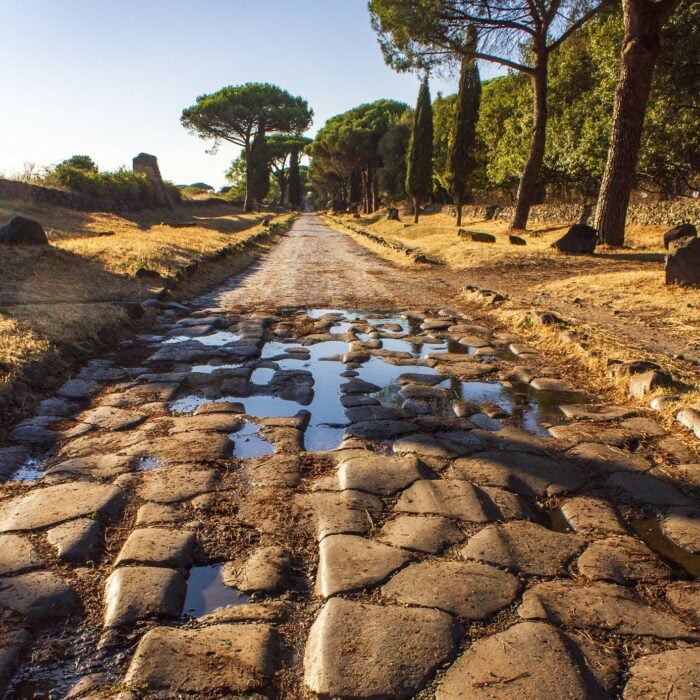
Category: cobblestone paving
[343,503]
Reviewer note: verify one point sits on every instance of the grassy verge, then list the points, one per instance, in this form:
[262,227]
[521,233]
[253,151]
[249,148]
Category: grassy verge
[80,288]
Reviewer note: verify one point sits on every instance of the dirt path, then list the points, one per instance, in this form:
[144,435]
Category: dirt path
[264,498]
[316,266]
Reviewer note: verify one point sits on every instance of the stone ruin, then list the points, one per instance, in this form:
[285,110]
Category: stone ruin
[148,164]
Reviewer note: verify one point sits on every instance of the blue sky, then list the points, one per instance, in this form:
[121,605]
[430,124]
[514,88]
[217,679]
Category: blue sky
[110,78]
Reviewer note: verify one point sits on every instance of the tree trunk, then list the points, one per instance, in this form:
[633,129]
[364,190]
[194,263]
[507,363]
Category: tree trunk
[416,209]
[458,204]
[640,49]
[538,141]
[248,204]
[283,191]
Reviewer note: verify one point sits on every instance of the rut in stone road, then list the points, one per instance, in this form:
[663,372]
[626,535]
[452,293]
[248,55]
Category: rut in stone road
[316,482]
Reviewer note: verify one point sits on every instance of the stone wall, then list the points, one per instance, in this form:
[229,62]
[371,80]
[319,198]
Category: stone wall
[649,214]
[148,165]
[28,192]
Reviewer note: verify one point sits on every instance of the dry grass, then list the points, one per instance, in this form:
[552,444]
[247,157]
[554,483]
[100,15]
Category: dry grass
[627,281]
[70,290]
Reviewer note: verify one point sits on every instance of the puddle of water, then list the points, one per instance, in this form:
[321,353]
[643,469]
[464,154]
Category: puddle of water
[315,314]
[206,592]
[209,369]
[31,470]
[71,658]
[262,375]
[218,338]
[249,444]
[649,530]
[340,328]
[146,463]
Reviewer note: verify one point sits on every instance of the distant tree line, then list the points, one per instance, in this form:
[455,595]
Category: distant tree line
[565,121]
[268,124]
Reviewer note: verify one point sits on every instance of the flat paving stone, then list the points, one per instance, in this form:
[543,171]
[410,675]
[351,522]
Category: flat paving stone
[188,447]
[455,498]
[648,489]
[428,445]
[673,674]
[429,534]
[380,429]
[524,547]
[621,559]
[158,514]
[79,389]
[177,483]
[350,563]
[467,589]
[589,514]
[521,472]
[42,507]
[394,649]
[214,422]
[112,418]
[682,526]
[17,554]
[552,384]
[157,546]
[267,570]
[99,466]
[344,512]
[142,592]
[379,474]
[77,541]
[684,597]
[596,412]
[38,596]
[528,661]
[605,606]
[218,659]
[606,458]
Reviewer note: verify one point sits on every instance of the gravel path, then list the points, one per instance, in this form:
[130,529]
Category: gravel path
[316,266]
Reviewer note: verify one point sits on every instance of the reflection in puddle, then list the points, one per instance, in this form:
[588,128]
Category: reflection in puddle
[209,369]
[535,411]
[31,470]
[146,463]
[649,530]
[262,375]
[249,444]
[206,591]
[218,338]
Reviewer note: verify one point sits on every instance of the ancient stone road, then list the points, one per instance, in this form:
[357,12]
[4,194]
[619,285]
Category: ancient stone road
[349,492]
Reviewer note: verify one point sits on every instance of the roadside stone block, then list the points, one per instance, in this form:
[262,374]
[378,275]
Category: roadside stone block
[266,570]
[394,649]
[379,475]
[682,526]
[588,514]
[344,512]
[669,674]
[177,483]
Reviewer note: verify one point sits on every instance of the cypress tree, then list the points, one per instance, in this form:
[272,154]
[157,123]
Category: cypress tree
[461,154]
[294,181]
[259,178]
[419,175]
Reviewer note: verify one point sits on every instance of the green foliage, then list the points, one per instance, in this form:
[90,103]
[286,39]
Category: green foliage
[462,159]
[345,153]
[393,147]
[444,109]
[119,185]
[419,171]
[79,163]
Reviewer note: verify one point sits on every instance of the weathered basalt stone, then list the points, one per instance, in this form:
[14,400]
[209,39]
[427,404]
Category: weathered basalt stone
[20,230]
